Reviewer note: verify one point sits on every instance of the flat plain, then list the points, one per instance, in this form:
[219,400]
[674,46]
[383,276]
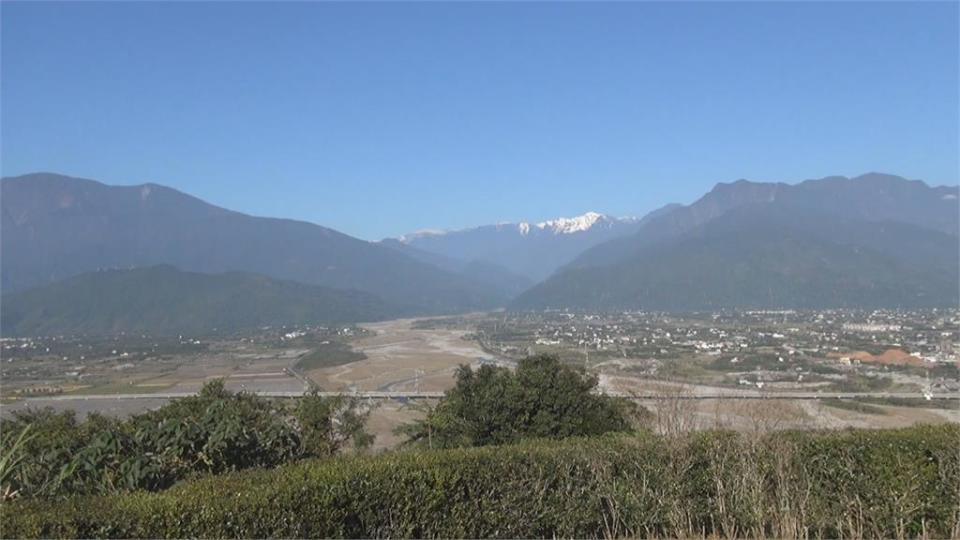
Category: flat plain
[422,355]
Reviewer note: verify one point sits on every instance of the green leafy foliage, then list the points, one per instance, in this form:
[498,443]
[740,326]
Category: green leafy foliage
[215,431]
[857,483]
[328,424]
[542,398]
[9,459]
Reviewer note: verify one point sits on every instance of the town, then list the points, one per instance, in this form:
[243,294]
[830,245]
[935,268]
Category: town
[829,350]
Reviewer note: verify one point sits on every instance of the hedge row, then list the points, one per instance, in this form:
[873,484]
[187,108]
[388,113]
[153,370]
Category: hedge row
[874,483]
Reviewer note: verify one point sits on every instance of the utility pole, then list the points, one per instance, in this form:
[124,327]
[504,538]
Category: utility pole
[416,380]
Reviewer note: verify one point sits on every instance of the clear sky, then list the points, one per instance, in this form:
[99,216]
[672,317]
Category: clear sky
[381,119]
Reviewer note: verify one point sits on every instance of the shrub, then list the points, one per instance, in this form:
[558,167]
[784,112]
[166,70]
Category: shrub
[213,432]
[327,424]
[887,483]
[542,398]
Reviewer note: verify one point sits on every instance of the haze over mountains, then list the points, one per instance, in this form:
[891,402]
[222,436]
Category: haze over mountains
[56,226]
[486,272]
[872,241]
[532,250]
[162,300]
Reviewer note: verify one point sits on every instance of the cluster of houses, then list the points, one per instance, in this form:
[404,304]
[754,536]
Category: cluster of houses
[847,341]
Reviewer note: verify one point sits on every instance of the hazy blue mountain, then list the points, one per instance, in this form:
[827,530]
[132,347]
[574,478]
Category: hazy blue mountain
[163,300]
[488,273]
[532,250]
[871,197]
[56,226]
[827,243]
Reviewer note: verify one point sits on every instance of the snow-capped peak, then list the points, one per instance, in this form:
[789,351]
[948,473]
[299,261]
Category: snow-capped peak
[407,238]
[565,225]
[562,225]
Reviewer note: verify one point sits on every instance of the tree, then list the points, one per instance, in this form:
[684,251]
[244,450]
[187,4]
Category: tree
[327,424]
[542,398]
[212,432]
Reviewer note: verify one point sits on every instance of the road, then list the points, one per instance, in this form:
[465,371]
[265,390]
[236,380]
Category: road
[394,394]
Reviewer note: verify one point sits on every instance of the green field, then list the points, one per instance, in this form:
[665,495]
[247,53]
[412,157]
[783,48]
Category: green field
[330,354]
[855,406]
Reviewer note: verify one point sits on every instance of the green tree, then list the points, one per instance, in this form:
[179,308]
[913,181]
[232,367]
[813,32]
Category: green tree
[212,432]
[542,398]
[327,424]
[216,431]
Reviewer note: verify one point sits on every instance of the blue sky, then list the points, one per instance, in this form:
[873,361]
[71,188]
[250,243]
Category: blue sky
[381,119]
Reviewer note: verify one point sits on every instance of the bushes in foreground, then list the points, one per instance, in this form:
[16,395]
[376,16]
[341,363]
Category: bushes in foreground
[48,454]
[542,398]
[875,483]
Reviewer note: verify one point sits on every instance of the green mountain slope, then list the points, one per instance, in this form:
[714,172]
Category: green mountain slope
[56,226]
[162,300]
[872,197]
[768,256]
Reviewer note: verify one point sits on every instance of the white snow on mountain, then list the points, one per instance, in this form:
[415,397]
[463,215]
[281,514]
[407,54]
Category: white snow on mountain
[562,225]
[406,238]
[574,224]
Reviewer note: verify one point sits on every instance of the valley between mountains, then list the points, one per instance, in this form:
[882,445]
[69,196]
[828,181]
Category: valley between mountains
[84,257]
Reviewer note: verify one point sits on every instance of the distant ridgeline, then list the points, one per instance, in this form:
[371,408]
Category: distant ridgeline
[55,227]
[872,241]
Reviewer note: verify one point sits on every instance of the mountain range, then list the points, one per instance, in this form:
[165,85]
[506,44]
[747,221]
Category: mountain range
[80,256]
[55,226]
[872,241]
[162,300]
[486,272]
[531,250]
